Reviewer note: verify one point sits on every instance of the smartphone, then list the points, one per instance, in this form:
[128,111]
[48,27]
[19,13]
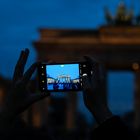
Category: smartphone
[61,76]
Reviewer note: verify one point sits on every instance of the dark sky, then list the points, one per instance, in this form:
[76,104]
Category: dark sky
[21,19]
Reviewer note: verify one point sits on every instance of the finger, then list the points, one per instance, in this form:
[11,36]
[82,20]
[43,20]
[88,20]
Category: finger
[16,71]
[96,68]
[16,68]
[87,89]
[24,60]
[91,61]
[86,82]
[91,65]
[19,69]
[29,73]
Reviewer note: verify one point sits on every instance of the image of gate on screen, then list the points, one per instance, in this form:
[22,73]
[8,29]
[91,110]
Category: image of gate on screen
[63,77]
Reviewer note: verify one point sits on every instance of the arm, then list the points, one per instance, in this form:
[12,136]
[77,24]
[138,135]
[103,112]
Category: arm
[110,126]
[19,98]
[92,93]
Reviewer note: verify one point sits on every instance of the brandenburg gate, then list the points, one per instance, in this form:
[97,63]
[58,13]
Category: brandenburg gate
[117,46]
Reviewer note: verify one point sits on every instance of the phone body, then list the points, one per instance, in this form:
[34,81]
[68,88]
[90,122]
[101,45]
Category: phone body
[61,76]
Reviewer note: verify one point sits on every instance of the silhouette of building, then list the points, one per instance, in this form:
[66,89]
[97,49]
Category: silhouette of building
[118,47]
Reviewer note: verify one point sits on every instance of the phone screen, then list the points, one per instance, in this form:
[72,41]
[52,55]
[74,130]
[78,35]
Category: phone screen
[63,77]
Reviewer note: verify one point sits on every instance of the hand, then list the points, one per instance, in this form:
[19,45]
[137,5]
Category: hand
[19,97]
[93,85]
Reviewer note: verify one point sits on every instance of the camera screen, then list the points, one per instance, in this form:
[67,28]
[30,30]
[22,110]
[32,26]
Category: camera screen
[63,77]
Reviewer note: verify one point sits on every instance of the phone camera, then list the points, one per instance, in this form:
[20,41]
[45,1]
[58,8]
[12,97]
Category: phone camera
[84,74]
[84,66]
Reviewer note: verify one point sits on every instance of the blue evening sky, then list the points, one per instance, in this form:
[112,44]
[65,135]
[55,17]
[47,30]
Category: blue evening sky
[68,69]
[21,19]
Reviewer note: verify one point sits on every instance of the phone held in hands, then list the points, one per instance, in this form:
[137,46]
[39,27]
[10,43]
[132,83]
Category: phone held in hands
[61,76]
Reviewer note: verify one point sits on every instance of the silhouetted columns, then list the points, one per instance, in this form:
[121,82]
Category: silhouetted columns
[71,110]
[137,100]
[137,96]
[104,86]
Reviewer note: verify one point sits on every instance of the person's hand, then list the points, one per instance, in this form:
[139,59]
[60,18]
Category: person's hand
[93,88]
[20,98]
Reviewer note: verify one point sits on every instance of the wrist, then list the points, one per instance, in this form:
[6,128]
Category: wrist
[101,115]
